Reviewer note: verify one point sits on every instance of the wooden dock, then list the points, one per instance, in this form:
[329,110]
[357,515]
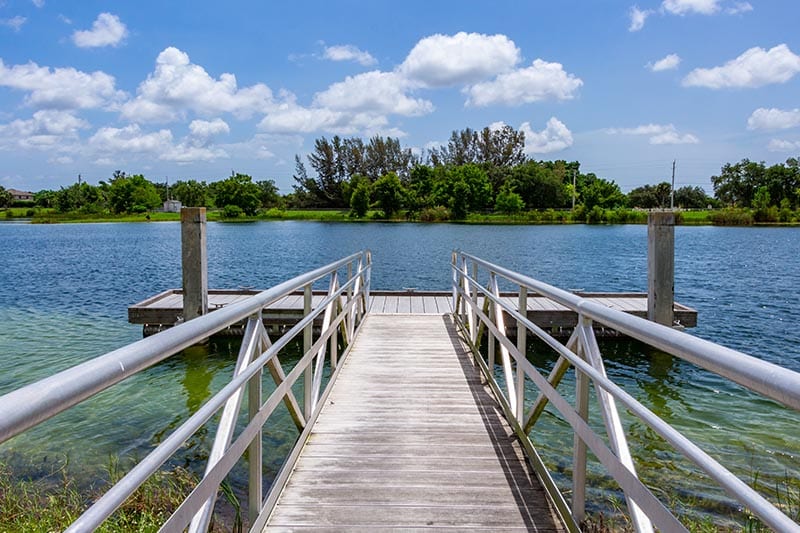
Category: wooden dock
[163,310]
[411,439]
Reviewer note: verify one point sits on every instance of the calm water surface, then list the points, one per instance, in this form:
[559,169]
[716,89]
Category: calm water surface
[64,292]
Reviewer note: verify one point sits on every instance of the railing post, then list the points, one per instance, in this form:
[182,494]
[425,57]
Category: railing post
[454,275]
[194,262]
[522,337]
[308,340]
[579,447]
[473,313]
[254,453]
[660,266]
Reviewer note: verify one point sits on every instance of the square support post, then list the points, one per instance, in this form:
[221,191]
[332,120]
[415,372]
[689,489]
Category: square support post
[661,266]
[194,262]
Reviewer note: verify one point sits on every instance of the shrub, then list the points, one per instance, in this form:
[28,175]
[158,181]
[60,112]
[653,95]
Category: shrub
[595,216]
[731,217]
[232,211]
[434,214]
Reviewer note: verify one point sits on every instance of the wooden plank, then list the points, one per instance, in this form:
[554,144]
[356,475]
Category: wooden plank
[404,304]
[417,304]
[378,304]
[410,438]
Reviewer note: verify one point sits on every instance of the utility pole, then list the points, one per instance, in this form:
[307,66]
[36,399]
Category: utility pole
[573,189]
[672,190]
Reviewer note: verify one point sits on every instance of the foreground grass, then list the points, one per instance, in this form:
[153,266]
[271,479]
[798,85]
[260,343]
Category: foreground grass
[51,500]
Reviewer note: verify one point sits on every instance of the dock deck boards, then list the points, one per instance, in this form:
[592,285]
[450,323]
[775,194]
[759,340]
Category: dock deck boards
[165,308]
[410,438]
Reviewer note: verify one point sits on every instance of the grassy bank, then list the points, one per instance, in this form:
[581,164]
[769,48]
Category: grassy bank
[49,498]
[717,217]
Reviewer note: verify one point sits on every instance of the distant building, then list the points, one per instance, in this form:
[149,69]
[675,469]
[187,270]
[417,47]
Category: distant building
[172,206]
[20,196]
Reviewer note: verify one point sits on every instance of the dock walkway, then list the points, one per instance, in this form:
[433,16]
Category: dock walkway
[410,438]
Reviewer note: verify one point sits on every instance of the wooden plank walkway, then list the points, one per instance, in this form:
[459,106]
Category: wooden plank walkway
[411,439]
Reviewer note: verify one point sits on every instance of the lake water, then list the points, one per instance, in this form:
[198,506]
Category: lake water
[64,292]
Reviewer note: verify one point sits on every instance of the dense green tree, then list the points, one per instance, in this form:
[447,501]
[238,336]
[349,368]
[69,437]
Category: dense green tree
[538,185]
[692,197]
[603,194]
[127,194]
[268,193]
[45,198]
[497,147]
[191,193]
[238,190]
[650,196]
[389,194]
[459,204]
[5,197]
[359,199]
[508,201]
[81,196]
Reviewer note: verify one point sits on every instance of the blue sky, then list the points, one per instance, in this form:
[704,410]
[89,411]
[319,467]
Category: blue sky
[194,90]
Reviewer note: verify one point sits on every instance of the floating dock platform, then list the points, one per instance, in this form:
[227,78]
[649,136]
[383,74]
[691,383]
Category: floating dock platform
[164,310]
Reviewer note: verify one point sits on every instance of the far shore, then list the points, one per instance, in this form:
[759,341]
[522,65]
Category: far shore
[701,217]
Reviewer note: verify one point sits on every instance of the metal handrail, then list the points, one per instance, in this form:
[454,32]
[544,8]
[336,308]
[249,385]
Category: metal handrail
[582,352]
[344,305]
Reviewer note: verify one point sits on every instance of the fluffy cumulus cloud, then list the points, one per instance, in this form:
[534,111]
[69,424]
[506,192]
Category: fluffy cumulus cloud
[46,129]
[484,65]
[782,145]
[460,59]
[754,68]
[739,8]
[117,144]
[773,119]
[178,86]
[107,30]
[638,18]
[554,137]
[669,62]
[348,52]
[375,92]
[657,133]
[540,81]
[205,129]
[61,88]
[15,23]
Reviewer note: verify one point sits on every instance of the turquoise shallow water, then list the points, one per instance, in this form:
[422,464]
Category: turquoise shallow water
[64,292]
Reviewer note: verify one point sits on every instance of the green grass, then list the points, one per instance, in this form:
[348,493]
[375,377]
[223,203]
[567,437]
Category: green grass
[42,501]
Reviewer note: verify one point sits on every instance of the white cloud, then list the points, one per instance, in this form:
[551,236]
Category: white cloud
[297,119]
[46,129]
[780,145]
[554,137]
[374,92]
[204,129]
[739,8]
[773,119]
[130,139]
[348,52]
[667,63]
[638,18]
[61,88]
[682,7]
[15,23]
[117,144]
[38,3]
[658,133]
[464,58]
[540,81]
[754,68]
[178,86]
[107,30]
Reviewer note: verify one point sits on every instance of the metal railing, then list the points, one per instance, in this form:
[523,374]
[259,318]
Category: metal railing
[480,309]
[342,310]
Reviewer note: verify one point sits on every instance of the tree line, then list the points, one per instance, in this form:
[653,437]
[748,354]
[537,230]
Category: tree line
[475,171]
